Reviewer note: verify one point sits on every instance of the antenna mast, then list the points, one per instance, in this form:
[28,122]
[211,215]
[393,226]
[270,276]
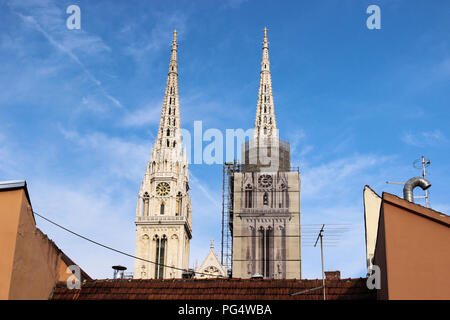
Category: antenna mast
[320,235]
[420,163]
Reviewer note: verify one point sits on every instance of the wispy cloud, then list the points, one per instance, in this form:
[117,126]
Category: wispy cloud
[337,176]
[119,157]
[150,114]
[69,43]
[142,43]
[424,138]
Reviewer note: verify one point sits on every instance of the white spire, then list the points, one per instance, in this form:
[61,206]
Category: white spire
[169,125]
[265,124]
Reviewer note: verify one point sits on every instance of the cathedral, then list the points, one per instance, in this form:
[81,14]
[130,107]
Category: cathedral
[264,213]
[163,212]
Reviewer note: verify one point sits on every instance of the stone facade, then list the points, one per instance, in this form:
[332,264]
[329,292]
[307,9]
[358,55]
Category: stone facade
[163,212]
[266,197]
[211,266]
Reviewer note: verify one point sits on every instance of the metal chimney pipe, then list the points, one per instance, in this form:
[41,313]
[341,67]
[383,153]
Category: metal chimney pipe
[411,184]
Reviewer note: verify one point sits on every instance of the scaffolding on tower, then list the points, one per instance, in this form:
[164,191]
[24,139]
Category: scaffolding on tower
[228,171]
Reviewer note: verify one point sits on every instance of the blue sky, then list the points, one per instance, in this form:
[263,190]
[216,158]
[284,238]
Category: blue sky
[79,109]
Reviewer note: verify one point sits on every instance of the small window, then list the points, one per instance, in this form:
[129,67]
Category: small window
[161,209]
[265,199]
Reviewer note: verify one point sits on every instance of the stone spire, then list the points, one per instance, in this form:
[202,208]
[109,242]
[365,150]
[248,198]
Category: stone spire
[169,135]
[265,124]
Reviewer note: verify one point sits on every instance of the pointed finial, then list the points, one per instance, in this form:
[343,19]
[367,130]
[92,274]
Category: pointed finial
[175,35]
[212,244]
[265,33]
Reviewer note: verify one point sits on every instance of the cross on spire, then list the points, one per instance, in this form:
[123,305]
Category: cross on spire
[175,35]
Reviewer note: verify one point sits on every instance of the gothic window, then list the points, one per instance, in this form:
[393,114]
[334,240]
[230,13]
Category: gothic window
[173,121]
[265,119]
[178,206]
[146,201]
[168,132]
[248,196]
[284,196]
[262,252]
[265,87]
[170,111]
[168,143]
[174,144]
[268,238]
[161,209]
[266,199]
[265,130]
[160,255]
[265,109]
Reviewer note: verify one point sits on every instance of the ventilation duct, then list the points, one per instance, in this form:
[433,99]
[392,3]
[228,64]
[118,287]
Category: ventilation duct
[408,189]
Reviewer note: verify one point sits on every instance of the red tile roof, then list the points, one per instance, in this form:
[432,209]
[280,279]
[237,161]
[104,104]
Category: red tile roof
[215,289]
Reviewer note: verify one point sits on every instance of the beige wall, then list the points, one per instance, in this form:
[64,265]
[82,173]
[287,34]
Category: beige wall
[412,251]
[31,264]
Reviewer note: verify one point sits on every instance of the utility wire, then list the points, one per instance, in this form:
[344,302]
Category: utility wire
[112,249]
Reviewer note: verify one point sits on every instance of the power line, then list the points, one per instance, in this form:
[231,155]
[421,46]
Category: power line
[116,250]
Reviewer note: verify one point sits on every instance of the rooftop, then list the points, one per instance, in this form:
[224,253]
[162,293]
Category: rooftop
[215,289]
[417,209]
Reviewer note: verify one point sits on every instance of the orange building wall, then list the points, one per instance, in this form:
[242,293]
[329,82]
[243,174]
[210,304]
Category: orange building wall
[11,203]
[31,264]
[416,251]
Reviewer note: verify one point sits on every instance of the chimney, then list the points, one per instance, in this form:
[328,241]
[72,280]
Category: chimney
[257,276]
[118,272]
[333,275]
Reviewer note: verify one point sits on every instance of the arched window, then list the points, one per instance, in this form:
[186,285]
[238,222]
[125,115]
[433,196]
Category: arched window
[160,255]
[146,201]
[248,196]
[178,206]
[168,132]
[168,143]
[161,209]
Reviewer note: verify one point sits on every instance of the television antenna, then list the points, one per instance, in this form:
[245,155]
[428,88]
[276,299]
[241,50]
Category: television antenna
[421,163]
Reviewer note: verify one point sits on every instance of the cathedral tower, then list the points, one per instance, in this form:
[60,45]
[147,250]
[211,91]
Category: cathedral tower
[163,213]
[266,196]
